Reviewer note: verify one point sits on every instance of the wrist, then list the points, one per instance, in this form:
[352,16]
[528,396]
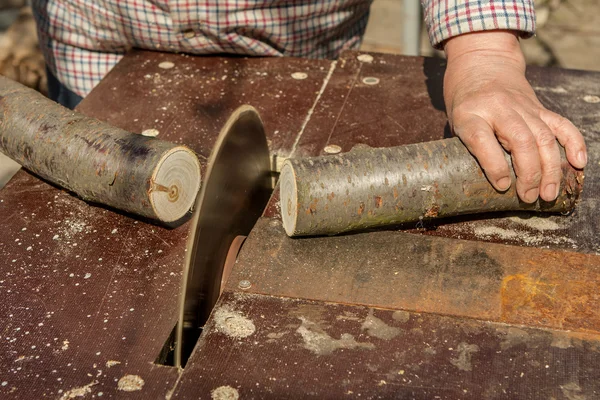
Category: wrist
[489,44]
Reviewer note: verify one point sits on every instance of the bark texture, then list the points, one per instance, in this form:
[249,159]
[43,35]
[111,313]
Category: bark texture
[376,187]
[98,162]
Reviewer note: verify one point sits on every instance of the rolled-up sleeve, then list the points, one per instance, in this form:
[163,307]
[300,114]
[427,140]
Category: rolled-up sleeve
[448,18]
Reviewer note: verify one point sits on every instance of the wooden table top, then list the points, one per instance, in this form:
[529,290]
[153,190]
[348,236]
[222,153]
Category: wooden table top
[504,306]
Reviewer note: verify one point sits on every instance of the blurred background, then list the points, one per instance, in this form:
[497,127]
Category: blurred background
[20,57]
[568,32]
[568,36]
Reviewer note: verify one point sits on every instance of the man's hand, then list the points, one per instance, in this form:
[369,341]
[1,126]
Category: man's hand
[490,103]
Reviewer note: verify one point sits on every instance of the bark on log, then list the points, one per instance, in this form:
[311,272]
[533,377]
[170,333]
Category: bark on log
[100,163]
[376,187]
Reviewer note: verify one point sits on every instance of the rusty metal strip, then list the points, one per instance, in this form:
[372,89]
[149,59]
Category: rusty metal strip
[398,270]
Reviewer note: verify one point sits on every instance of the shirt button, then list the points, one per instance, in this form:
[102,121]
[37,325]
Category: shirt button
[189,34]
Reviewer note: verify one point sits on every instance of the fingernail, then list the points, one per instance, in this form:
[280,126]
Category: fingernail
[582,157]
[531,195]
[503,183]
[550,192]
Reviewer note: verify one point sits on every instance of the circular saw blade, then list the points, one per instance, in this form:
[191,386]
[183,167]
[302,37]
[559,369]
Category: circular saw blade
[233,196]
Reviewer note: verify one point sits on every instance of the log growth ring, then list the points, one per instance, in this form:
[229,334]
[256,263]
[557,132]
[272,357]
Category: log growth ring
[175,184]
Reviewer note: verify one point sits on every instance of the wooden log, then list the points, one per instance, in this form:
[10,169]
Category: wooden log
[100,163]
[376,187]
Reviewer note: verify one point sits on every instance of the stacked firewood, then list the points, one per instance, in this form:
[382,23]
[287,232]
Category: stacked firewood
[20,56]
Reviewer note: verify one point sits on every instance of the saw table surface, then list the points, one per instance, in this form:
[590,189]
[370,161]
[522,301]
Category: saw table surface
[505,306]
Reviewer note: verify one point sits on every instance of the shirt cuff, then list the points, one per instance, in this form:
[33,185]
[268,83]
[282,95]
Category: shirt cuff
[448,18]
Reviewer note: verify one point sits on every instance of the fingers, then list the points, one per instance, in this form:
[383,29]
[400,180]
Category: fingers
[479,138]
[569,136]
[549,157]
[533,146]
[517,137]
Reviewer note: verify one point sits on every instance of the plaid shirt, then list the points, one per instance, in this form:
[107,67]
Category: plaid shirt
[82,40]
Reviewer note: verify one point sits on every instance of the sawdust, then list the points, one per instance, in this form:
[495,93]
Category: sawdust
[465,353]
[401,316]
[537,223]
[320,343]
[112,363]
[150,132]
[366,58]
[591,99]
[558,89]
[225,393]
[379,329]
[78,391]
[233,323]
[130,383]
[73,227]
[488,232]
[166,65]
[276,335]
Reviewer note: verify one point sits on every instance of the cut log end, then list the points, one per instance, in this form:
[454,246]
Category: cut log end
[289,198]
[175,184]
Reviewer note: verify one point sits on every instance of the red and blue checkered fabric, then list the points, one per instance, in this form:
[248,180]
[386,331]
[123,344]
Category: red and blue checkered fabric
[82,39]
[449,18]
